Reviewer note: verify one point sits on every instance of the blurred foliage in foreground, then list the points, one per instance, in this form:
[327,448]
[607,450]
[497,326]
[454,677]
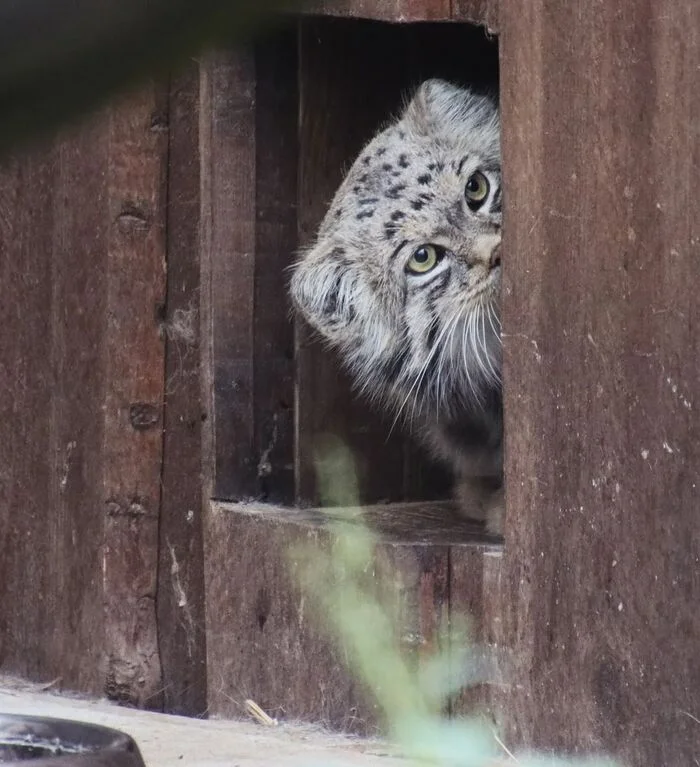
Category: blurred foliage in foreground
[60,58]
[412,700]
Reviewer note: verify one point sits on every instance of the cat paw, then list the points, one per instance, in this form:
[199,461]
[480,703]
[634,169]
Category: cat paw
[480,499]
[495,512]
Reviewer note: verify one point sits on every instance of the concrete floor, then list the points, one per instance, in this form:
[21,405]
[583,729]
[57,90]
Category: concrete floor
[172,741]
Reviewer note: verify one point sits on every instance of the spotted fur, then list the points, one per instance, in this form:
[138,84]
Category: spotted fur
[425,346]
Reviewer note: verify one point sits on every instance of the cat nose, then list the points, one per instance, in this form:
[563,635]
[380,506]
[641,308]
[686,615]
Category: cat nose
[487,251]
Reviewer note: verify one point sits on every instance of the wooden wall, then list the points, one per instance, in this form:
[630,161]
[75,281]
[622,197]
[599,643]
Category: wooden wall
[148,366]
[601,111]
[82,253]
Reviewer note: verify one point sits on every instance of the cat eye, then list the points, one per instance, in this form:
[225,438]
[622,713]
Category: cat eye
[477,190]
[424,259]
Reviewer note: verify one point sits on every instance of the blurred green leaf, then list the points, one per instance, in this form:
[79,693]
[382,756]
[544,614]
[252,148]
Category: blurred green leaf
[412,699]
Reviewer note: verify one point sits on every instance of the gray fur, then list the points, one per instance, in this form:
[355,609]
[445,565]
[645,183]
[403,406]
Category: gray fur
[425,346]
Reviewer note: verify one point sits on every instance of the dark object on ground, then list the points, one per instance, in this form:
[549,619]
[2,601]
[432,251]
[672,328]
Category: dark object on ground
[48,742]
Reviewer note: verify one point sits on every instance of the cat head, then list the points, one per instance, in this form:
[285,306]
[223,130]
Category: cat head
[404,276]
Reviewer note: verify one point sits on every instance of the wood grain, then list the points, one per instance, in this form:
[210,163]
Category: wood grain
[481,12]
[249,176]
[384,10]
[228,253]
[132,358]
[601,161]
[27,592]
[266,640]
[82,369]
[181,638]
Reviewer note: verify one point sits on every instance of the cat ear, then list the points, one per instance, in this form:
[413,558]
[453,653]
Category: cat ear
[324,290]
[430,104]
[438,105]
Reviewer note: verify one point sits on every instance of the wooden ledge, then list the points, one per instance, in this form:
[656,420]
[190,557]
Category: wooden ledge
[482,12]
[420,522]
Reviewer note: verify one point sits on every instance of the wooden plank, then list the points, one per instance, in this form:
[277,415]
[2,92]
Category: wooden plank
[132,357]
[265,640]
[78,304]
[602,170]
[26,219]
[475,600]
[82,262]
[228,253]
[249,158]
[384,10]
[180,601]
[481,12]
[276,64]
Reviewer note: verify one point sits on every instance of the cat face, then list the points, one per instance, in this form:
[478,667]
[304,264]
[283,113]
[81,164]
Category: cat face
[404,277]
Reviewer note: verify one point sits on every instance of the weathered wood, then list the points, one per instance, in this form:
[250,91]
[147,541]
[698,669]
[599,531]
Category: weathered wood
[277,118]
[266,640]
[83,258]
[384,10]
[132,358]
[249,176]
[27,593]
[483,12]
[602,170]
[228,266]
[75,513]
[181,637]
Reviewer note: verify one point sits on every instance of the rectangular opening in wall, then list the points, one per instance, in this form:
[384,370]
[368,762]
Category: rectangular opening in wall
[288,120]
[355,76]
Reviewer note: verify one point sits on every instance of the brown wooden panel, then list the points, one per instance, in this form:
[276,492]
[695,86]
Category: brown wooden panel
[26,594]
[483,12]
[249,204]
[228,251]
[343,57]
[180,603]
[76,532]
[132,356]
[82,381]
[265,640]
[276,97]
[384,10]
[480,660]
[602,170]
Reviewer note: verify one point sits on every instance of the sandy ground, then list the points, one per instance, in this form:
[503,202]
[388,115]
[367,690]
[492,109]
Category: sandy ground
[173,741]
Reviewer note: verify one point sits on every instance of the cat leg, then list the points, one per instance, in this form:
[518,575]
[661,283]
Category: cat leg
[482,499]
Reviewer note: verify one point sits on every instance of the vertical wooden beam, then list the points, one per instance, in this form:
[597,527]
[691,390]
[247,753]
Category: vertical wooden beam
[75,514]
[249,114]
[228,252]
[26,593]
[602,173]
[132,357]
[181,636]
